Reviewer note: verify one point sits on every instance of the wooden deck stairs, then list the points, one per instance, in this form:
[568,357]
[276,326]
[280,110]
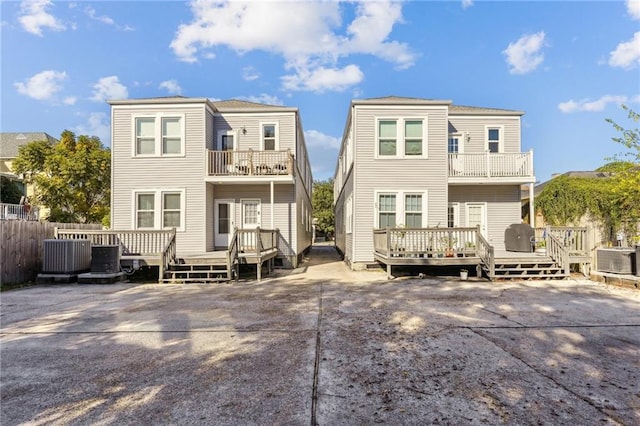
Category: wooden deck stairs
[539,267]
[198,269]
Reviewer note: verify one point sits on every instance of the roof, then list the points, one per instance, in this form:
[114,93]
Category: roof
[453,109]
[237,105]
[10,142]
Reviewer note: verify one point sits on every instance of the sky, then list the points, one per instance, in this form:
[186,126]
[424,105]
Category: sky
[569,65]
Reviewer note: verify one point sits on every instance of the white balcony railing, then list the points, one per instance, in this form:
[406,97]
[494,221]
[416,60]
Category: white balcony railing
[249,163]
[491,165]
[19,212]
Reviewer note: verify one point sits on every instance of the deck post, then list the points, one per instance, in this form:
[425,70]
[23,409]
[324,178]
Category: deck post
[532,213]
[389,276]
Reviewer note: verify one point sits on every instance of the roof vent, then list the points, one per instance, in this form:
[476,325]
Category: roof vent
[21,136]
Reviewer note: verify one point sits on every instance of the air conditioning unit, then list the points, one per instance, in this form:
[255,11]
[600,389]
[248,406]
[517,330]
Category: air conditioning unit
[105,259]
[617,260]
[66,256]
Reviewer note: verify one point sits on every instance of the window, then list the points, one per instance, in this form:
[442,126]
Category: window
[250,213]
[387,137]
[413,210]
[269,137]
[145,136]
[159,135]
[494,139]
[413,137]
[386,211]
[170,210]
[158,209]
[454,146]
[349,215]
[453,215]
[171,140]
[145,211]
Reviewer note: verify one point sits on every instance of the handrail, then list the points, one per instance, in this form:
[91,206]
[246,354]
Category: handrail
[425,242]
[575,238]
[250,163]
[558,252]
[131,242]
[19,212]
[232,255]
[491,165]
[168,254]
[486,252]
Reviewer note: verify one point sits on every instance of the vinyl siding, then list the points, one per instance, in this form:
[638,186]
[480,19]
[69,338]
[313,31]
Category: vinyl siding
[252,124]
[344,240]
[158,173]
[408,174]
[284,209]
[503,207]
[475,126]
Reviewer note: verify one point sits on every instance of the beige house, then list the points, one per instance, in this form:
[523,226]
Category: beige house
[206,168]
[422,163]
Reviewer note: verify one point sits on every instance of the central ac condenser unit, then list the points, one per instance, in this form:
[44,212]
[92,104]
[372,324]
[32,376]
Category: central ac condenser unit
[105,259]
[66,256]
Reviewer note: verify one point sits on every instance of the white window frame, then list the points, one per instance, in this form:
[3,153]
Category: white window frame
[158,207]
[276,144]
[400,136]
[222,133]
[456,214]
[258,202]
[461,138]
[500,139]
[484,215]
[348,213]
[158,136]
[400,205]
[404,207]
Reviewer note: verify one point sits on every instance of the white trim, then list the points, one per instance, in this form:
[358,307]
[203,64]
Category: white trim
[456,214]
[232,219]
[400,136]
[253,114]
[400,205]
[158,118]
[144,106]
[221,133]
[348,214]
[462,136]
[258,212]
[484,215]
[406,107]
[158,207]
[276,124]
[501,140]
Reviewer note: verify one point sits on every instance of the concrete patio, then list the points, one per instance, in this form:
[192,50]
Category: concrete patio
[322,345]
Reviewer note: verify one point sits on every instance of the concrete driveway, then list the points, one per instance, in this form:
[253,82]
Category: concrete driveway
[321,345]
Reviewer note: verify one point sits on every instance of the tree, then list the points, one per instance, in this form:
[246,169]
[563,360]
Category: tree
[626,190]
[9,192]
[322,201]
[72,177]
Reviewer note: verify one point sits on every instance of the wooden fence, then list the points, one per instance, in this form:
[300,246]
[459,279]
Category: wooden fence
[21,247]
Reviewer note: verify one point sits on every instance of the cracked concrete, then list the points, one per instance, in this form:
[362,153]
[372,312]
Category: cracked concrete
[328,346]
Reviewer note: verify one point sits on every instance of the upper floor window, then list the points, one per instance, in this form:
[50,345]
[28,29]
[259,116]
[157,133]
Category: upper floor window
[454,145]
[159,135]
[494,138]
[404,137]
[270,137]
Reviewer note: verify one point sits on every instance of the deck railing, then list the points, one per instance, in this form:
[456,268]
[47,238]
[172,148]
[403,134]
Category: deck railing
[250,163]
[19,212]
[426,242]
[257,240]
[558,252]
[232,257]
[486,252]
[575,239]
[491,165]
[132,243]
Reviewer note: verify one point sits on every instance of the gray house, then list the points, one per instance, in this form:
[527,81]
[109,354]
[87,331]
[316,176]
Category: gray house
[208,168]
[421,163]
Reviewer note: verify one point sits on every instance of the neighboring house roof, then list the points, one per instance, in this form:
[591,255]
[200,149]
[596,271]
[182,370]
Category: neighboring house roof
[231,105]
[582,174]
[10,142]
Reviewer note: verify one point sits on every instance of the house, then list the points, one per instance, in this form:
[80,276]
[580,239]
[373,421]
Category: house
[10,143]
[208,168]
[422,163]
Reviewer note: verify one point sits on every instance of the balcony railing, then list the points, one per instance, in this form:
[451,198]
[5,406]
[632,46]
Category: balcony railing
[19,212]
[491,165]
[250,163]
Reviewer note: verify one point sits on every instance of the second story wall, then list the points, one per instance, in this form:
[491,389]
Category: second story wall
[249,130]
[482,132]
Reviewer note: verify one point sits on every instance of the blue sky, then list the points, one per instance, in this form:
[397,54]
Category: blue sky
[568,65]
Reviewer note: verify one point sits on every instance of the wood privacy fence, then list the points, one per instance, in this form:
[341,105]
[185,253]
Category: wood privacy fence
[21,249]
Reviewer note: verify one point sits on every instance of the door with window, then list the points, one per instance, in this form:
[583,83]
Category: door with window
[227,144]
[224,222]
[250,221]
[477,216]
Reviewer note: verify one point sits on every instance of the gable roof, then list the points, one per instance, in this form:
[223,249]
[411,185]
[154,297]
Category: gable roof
[453,109]
[11,141]
[472,110]
[237,105]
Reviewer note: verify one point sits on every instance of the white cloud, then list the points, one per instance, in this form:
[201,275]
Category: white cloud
[525,54]
[97,124]
[314,138]
[467,3]
[91,13]
[171,86]
[633,8]
[109,88]
[69,100]
[323,79]
[250,74]
[34,17]
[627,54]
[263,98]
[42,86]
[588,105]
[311,44]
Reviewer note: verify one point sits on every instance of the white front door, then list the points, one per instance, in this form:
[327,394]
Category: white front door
[224,222]
[250,220]
[477,216]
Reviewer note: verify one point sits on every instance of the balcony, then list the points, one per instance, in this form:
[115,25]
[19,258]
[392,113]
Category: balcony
[488,167]
[250,165]
[19,212]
